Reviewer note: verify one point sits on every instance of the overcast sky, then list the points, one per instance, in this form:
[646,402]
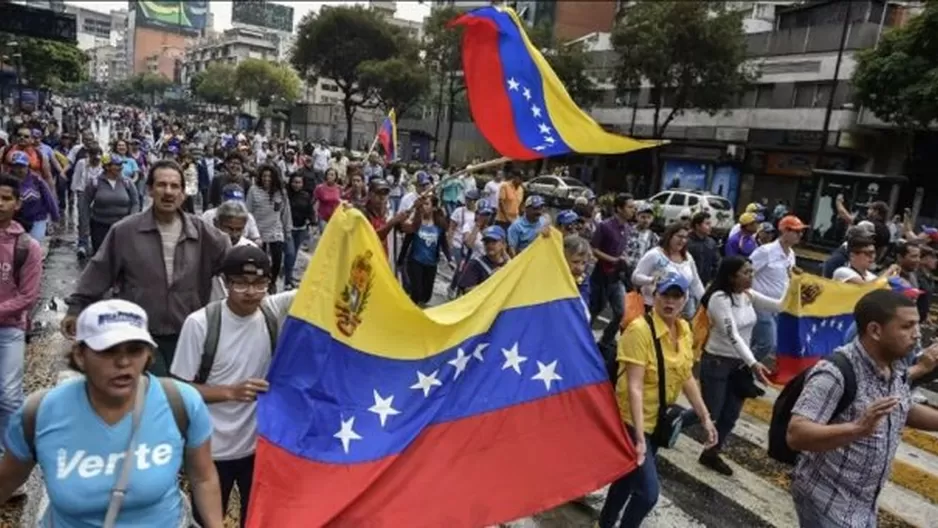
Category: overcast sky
[411,10]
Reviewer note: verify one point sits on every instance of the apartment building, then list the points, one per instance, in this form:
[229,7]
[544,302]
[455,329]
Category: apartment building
[230,47]
[796,135]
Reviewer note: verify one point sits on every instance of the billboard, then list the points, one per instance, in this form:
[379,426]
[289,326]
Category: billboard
[263,14]
[178,17]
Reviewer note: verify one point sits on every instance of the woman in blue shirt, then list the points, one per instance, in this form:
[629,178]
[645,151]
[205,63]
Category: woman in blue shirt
[80,433]
[426,238]
[130,168]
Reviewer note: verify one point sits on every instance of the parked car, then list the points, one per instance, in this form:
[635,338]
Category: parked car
[557,191]
[672,202]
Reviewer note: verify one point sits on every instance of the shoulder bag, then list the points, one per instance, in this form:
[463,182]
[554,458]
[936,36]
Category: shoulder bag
[120,488]
[670,417]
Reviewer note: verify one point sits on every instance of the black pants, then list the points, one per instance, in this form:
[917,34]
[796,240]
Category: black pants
[98,232]
[275,252]
[188,205]
[164,353]
[240,471]
[420,278]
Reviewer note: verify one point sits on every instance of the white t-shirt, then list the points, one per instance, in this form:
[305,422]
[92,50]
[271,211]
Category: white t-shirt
[490,193]
[243,352]
[477,246]
[731,323]
[771,265]
[219,291]
[463,218]
[250,227]
[846,273]
[169,235]
[408,201]
[321,157]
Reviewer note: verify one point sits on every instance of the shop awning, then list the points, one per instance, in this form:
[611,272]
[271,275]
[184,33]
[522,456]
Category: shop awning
[894,178]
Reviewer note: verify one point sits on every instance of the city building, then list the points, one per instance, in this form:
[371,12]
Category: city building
[157,39]
[230,47]
[101,63]
[796,135]
[93,27]
[567,20]
[388,9]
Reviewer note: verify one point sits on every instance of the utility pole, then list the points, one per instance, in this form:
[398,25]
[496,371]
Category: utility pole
[830,100]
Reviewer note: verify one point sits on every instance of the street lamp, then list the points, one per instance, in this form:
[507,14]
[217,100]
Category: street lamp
[18,57]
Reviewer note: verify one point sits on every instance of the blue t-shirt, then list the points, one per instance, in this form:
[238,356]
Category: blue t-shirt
[129,167]
[424,246]
[522,232]
[80,456]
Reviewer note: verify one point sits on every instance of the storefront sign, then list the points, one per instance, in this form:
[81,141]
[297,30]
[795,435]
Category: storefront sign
[726,182]
[732,135]
[782,164]
[684,174]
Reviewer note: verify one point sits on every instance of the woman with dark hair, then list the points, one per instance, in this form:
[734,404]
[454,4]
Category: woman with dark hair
[425,240]
[728,364]
[268,202]
[670,255]
[301,209]
[355,193]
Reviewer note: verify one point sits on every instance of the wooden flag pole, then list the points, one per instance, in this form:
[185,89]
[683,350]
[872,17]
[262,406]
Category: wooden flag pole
[372,149]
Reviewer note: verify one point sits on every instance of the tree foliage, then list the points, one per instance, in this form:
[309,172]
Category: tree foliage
[691,53]
[47,64]
[266,82]
[334,43]
[898,80]
[443,57]
[216,85]
[397,83]
[134,89]
[570,62]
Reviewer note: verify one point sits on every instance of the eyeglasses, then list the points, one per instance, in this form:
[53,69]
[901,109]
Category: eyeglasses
[243,287]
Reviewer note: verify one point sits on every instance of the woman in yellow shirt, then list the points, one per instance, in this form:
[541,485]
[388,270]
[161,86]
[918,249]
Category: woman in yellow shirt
[634,495]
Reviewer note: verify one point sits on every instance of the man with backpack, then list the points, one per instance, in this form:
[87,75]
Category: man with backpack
[225,350]
[20,275]
[841,422]
[481,267]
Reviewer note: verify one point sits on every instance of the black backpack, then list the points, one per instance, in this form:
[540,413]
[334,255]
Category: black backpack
[781,411]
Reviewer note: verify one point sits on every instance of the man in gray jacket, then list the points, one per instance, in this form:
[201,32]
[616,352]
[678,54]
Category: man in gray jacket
[161,259]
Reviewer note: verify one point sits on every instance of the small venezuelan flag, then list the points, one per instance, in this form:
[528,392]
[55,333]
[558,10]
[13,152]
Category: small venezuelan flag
[516,99]
[387,135]
[483,410]
[816,317]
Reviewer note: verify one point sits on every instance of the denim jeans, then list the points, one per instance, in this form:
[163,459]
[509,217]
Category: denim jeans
[38,230]
[292,249]
[608,288]
[634,495]
[12,353]
[764,335]
[719,394]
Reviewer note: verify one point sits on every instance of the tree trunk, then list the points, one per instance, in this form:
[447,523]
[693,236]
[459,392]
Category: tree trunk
[450,120]
[439,112]
[349,116]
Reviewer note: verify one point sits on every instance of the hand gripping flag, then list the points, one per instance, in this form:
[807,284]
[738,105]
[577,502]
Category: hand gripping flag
[387,135]
[486,409]
[516,99]
[816,318]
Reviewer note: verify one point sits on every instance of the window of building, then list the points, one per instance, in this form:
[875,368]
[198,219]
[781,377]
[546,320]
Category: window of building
[804,95]
[326,87]
[764,95]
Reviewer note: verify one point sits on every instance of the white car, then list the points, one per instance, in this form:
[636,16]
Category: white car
[557,191]
[671,203]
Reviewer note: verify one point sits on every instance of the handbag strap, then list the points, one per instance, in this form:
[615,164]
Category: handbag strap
[120,488]
[662,396]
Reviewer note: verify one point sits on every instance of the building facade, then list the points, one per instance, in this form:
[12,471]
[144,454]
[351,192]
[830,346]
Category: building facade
[230,47]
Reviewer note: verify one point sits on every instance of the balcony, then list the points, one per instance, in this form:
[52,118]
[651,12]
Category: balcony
[816,39]
[811,119]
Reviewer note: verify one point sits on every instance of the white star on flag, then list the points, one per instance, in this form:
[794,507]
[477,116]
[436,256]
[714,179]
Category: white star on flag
[549,140]
[477,353]
[544,128]
[513,84]
[382,407]
[539,148]
[425,382]
[535,111]
[513,359]
[546,373]
[527,94]
[346,434]
[459,362]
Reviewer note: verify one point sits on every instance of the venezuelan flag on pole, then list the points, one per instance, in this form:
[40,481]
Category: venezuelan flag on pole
[816,317]
[483,410]
[387,135]
[516,99]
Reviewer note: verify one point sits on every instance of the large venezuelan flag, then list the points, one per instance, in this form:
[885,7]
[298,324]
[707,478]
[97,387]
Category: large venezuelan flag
[815,319]
[516,99]
[486,409]
[387,135]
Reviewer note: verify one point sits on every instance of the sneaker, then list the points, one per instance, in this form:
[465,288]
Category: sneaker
[712,460]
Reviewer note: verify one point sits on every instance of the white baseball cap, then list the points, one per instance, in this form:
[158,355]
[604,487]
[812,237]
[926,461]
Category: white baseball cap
[108,323]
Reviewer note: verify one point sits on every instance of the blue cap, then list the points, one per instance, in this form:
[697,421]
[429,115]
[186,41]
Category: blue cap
[534,201]
[233,194]
[493,233]
[19,158]
[672,280]
[423,178]
[485,211]
[472,194]
[567,217]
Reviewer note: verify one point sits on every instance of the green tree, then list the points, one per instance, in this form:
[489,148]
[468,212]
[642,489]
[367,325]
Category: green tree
[570,62]
[442,54]
[898,80]
[692,54]
[334,43]
[47,64]
[216,85]
[268,83]
[397,83]
[152,84]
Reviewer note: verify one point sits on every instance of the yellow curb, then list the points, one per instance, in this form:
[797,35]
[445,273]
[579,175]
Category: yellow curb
[903,474]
